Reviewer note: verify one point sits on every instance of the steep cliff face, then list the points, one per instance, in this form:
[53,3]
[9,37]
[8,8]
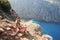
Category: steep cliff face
[44,10]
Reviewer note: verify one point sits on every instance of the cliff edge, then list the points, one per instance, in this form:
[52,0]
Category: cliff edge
[26,30]
[8,32]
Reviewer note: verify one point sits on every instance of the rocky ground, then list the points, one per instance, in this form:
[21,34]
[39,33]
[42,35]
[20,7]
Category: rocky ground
[9,32]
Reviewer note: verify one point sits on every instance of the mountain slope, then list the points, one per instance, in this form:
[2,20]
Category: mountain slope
[42,10]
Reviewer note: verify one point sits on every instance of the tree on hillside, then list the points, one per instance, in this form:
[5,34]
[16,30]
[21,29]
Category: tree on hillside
[5,6]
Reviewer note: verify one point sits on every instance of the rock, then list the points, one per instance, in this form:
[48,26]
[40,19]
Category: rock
[0,17]
[34,31]
[20,34]
[33,28]
[46,37]
[8,28]
[1,29]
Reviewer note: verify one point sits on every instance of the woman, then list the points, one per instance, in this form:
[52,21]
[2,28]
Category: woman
[17,21]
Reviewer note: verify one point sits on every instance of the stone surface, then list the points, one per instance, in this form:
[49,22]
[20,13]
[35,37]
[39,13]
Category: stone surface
[35,32]
[8,32]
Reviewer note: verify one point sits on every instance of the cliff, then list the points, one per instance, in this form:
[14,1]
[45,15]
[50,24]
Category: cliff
[9,29]
[8,32]
[42,10]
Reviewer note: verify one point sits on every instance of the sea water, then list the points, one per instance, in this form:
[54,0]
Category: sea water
[52,29]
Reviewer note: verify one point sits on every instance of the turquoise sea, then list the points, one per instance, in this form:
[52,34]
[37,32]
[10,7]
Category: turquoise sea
[52,29]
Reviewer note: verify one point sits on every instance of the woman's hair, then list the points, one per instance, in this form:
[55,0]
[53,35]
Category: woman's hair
[17,17]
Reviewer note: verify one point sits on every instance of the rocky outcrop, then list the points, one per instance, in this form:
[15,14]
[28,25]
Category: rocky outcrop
[35,31]
[8,32]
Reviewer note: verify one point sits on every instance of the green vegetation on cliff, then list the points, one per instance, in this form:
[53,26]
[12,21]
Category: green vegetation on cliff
[5,6]
[6,10]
